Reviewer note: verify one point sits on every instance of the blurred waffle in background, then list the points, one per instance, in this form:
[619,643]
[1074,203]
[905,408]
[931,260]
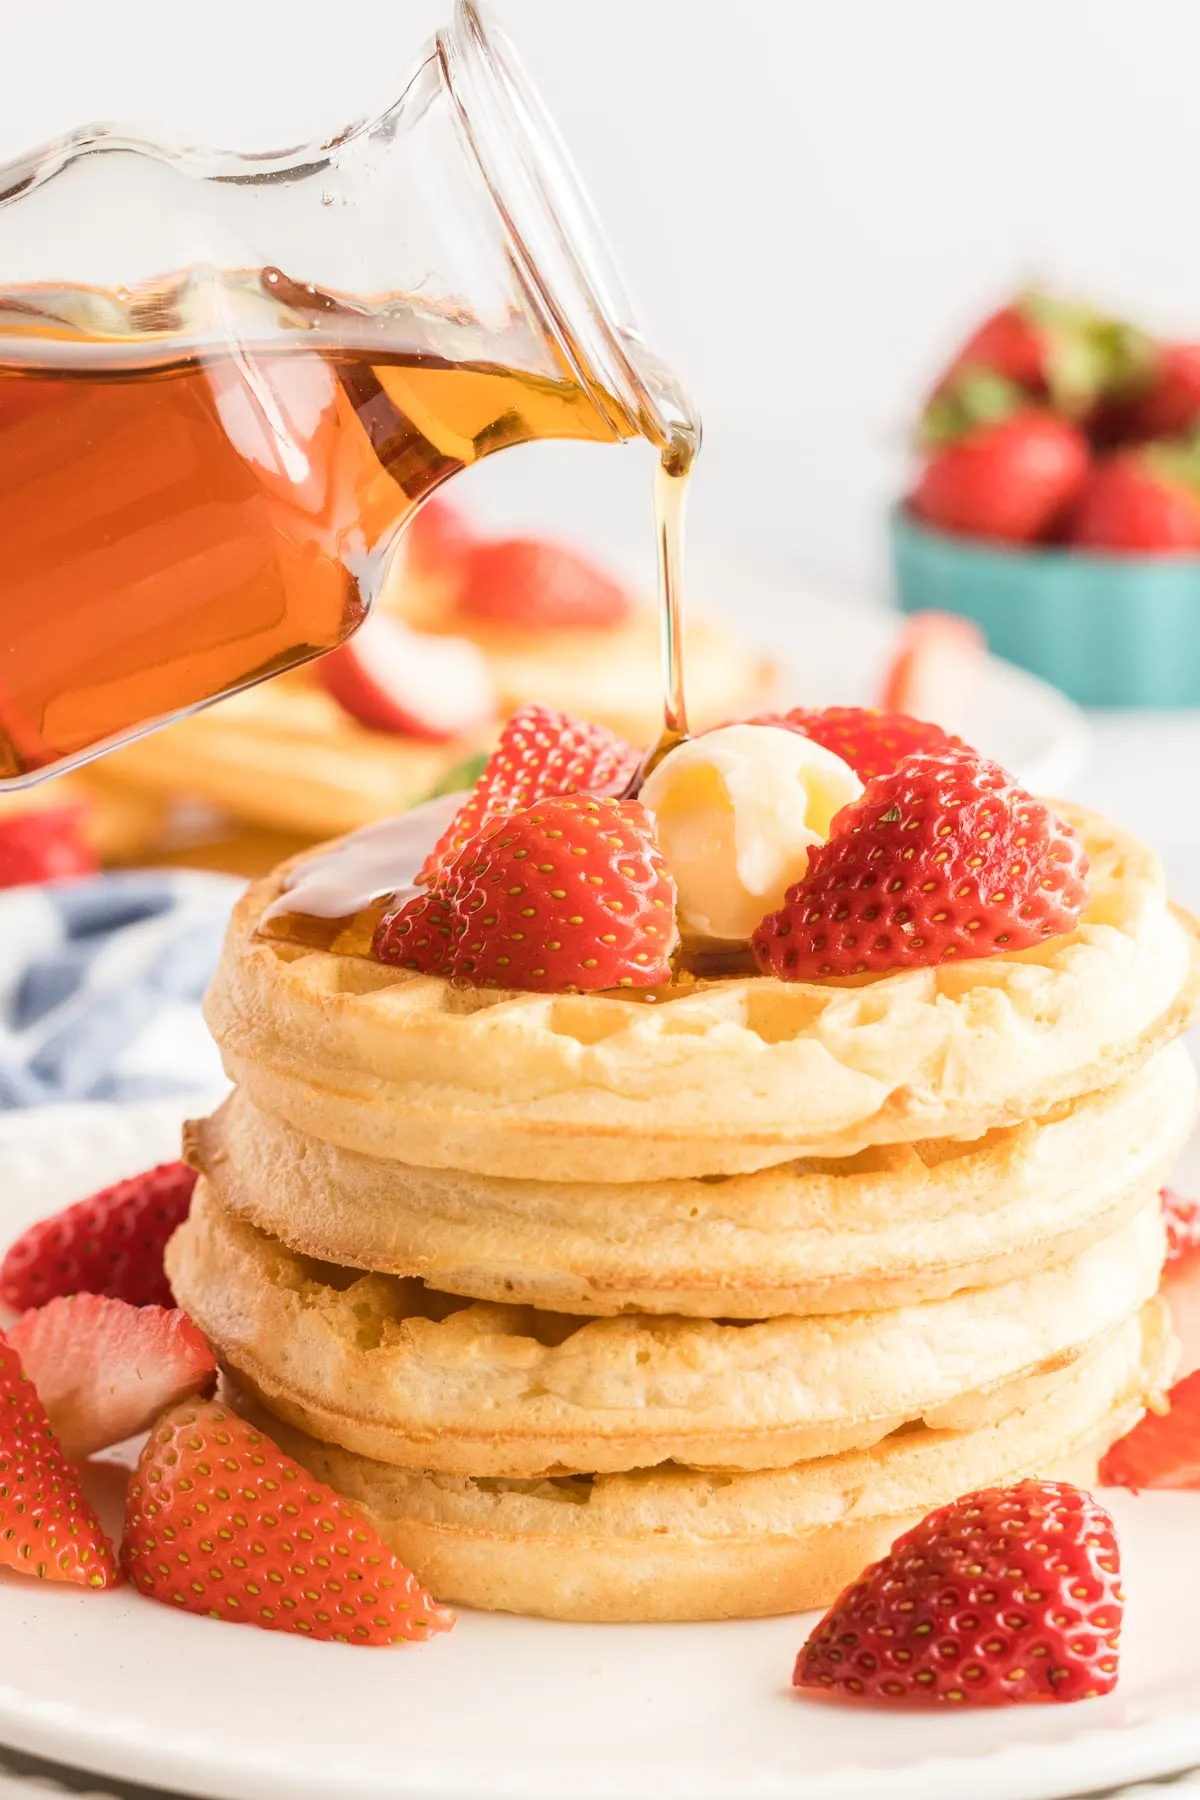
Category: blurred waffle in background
[468,628]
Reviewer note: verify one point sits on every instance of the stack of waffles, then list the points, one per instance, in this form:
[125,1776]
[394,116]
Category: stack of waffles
[612,1310]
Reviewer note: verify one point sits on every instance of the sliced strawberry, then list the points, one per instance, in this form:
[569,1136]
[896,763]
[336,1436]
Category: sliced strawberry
[407,682]
[438,537]
[946,858]
[1163,1449]
[1182,1217]
[47,1527]
[934,668]
[220,1522]
[46,844]
[539,586]
[541,752]
[104,1370]
[111,1243]
[568,896]
[1006,1596]
[871,742]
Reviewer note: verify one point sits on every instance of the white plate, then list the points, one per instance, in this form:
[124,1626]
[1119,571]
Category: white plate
[522,1708]
[834,652]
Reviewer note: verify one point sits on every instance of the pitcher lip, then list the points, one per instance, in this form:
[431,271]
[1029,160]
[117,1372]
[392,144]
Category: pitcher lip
[559,245]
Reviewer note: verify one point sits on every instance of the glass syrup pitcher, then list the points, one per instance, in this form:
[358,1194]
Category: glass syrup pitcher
[227,383]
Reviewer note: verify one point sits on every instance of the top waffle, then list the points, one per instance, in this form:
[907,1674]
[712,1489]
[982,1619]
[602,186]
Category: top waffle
[720,1077]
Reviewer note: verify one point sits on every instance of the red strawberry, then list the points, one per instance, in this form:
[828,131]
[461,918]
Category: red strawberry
[47,1527]
[871,742]
[1182,1217]
[46,844]
[568,896]
[1145,500]
[438,536]
[1072,354]
[104,1370]
[1171,405]
[1006,1596]
[945,858]
[1011,478]
[934,667]
[541,752]
[407,682]
[219,1521]
[1163,1449]
[539,586]
[111,1243]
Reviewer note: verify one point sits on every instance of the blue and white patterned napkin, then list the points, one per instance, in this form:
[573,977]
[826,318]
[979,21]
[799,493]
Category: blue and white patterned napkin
[100,986]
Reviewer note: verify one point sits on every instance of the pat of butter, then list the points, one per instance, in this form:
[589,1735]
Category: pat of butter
[737,812]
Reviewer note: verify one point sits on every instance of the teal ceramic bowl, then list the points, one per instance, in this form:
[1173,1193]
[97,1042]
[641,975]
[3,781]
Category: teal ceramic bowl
[1107,630]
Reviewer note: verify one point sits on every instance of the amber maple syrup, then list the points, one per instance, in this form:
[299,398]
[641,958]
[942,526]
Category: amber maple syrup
[179,519]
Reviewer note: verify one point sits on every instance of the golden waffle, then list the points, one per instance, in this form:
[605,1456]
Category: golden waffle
[678,1544]
[393,1370]
[287,756]
[719,1077]
[613,676]
[886,1227]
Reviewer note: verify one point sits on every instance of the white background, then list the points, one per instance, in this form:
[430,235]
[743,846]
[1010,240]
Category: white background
[810,197]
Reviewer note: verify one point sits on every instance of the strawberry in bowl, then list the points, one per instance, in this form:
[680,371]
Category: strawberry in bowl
[1056,502]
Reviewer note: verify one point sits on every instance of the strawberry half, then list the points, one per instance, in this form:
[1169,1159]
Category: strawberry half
[871,742]
[539,586]
[408,683]
[1163,1449]
[438,536]
[945,858]
[104,1370]
[47,1527]
[1182,1219]
[568,896]
[111,1243]
[44,844]
[541,753]
[1006,1596]
[219,1521]
[934,668]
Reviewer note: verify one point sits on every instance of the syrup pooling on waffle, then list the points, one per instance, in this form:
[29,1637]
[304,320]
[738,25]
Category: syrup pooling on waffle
[334,899]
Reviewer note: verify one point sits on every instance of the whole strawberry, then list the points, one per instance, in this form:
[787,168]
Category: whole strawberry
[111,1243]
[947,858]
[871,742]
[541,753]
[539,586]
[47,1527]
[1146,501]
[1071,354]
[219,1521]
[1006,1596]
[1170,406]
[1012,475]
[568,896]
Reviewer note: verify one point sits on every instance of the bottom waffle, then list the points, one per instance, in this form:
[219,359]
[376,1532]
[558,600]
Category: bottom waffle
[672,1543]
